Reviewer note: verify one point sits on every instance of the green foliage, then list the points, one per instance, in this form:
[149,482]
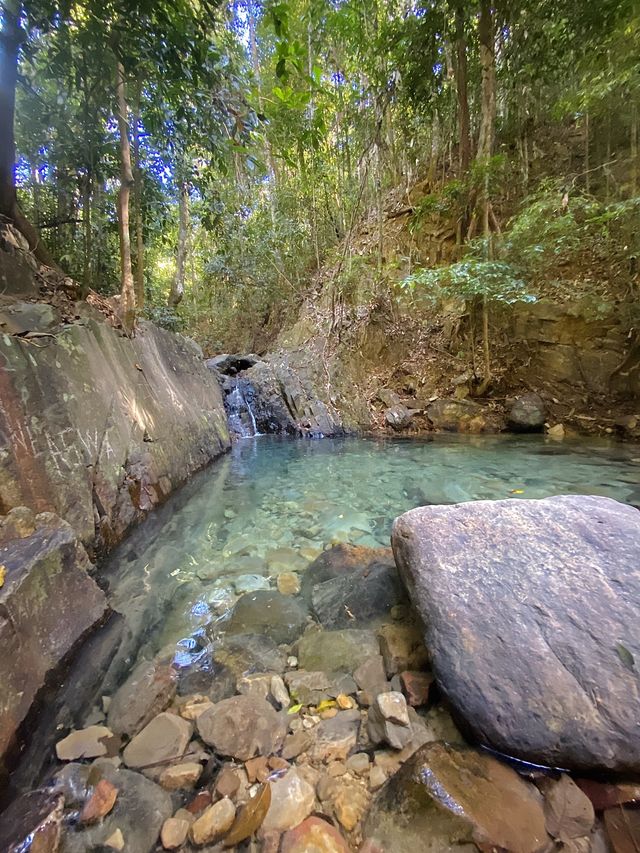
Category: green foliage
[497,281]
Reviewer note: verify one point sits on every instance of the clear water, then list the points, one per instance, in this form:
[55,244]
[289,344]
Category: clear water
[272,505]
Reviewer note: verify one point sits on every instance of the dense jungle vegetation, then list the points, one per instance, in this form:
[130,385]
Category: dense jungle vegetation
[216,162]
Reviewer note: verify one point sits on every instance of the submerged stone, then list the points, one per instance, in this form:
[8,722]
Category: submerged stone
[328,651]
[246,653]
[530,610]
[270,614]
[446,798]
[314,834]
[164,739]
[146,692]
[241,727]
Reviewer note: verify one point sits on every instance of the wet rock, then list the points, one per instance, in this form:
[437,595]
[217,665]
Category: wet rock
[311,688]
[227,783]
[164,739]
[279,692]
[139,813]
[245,653]
[389,720]
[568,811]
[33,822]
[194,706]
[210,677]
[348,800]
[336,650]
[268,613]
[48,602]
[451,415]
[525,582]
[100,802]
[292,801]
[335,738]
[84,743]
[359,763]
[527,413]
[295,744]
[148,691]
[402,648]
[416,686]
[623,828]
[607,795]
[371,676]
[288,583]
[115,841]
[249,583]
[340,560]
[314,834]
[355,599]
[257,769]
[18,523]
[455,797]
[174,833]
[241,727]
[257,685]
[213,823]
[180,776]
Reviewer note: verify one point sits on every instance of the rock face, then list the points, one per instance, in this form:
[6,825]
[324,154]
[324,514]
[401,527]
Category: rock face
[98,427]
[275,395]
[531,614]
[48,602]
[447,798]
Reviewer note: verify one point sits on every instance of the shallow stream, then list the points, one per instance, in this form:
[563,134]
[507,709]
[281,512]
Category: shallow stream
[272,505]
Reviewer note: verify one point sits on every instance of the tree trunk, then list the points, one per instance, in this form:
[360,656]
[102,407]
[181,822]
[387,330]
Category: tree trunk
[11,37]
[485,150]
[488,94]
[177,286]
[127,292]
[464,123]
[137,200]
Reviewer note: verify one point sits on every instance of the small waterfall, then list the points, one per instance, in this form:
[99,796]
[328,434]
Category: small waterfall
[241,418]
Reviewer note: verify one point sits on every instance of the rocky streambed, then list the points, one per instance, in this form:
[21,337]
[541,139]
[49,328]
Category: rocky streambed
[322,712]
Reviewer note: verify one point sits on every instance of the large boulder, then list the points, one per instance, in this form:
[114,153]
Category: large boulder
[527,413]
[531,613]
[48,602]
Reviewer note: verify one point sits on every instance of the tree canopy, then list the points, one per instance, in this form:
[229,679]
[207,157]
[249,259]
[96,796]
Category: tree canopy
[208,158]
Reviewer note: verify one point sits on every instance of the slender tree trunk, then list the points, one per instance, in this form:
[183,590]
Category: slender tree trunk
[177,286]
[488,67]
[86,223]
[485,150]
[464,123]
[137,200]
[587,165]
[634,148]
[11,36]
[127,292]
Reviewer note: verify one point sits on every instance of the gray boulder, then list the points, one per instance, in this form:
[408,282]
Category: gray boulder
[527,413]
[269,613]
[531,614]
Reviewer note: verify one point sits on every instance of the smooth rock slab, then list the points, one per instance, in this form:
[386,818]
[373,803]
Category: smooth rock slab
[165,738]
[531,610]
[448,799]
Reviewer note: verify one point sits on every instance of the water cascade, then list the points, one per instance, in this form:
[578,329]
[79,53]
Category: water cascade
[242,421]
